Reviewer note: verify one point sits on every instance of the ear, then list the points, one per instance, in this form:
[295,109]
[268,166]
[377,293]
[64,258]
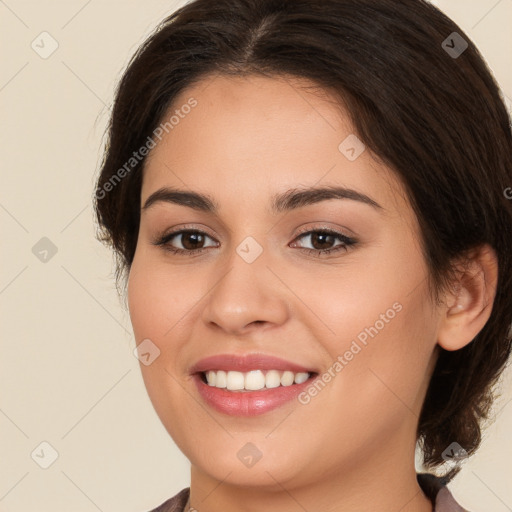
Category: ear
[469,304]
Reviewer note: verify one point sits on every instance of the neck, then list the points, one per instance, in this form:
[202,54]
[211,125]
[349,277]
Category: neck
[386,483]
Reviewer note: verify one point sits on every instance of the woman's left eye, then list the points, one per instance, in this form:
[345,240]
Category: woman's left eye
[319,237]
[325,237]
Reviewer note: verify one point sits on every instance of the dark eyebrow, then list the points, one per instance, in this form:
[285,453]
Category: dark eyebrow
[289,200]
[297,198]
[193,200]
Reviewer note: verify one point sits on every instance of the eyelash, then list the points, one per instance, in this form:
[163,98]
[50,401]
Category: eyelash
[164,242]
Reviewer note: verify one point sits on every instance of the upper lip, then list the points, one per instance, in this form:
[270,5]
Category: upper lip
[245,363]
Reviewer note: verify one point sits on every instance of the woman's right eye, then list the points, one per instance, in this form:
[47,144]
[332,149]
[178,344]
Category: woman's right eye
[189,239]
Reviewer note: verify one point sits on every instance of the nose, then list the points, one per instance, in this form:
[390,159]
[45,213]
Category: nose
[245,295]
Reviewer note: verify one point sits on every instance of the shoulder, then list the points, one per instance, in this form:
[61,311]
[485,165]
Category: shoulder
[174,504]
[435,489]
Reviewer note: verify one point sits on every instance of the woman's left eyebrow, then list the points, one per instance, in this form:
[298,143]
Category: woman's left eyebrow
[285,201]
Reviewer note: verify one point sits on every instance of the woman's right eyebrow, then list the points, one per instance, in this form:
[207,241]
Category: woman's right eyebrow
[195,200]
[285,201]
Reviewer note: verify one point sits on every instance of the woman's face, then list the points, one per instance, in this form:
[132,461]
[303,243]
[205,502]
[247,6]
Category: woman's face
[359,318]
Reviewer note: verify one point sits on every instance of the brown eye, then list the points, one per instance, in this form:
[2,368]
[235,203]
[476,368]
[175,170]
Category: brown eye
[322,241]
[192,240]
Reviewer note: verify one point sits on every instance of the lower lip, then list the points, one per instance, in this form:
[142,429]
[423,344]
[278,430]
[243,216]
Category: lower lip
[248,403]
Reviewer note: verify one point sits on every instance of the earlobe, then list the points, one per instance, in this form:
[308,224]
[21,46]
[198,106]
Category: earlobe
[468,307]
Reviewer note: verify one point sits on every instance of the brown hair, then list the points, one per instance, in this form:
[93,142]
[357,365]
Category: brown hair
[421,101]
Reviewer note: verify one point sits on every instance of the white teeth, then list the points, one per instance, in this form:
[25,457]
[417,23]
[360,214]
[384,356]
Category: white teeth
[221,379]
[211,378]
[272,379]
[301,377]
[235,381]
[287,378]
[254,380]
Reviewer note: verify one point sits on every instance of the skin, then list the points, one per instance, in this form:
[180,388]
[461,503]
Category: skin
[351,448]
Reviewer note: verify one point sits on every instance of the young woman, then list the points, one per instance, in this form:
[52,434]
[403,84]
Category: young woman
[308,201]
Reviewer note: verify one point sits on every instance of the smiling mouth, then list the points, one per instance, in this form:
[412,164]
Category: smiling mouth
[253,380]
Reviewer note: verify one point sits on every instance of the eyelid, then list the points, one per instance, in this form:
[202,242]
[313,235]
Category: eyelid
[303,230]
[203,230]
[337,231]
[347,242]
[186,227]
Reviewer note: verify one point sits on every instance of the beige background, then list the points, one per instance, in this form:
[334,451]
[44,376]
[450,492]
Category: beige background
[68,374]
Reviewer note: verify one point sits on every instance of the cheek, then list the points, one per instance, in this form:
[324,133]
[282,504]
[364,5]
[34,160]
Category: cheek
[376,387]
[139,308]
[163,302]
[152,304]
[385,358]
[382,326]
[158,297]
[155,308]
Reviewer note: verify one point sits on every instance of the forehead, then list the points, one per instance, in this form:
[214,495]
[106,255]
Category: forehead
[249,136]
